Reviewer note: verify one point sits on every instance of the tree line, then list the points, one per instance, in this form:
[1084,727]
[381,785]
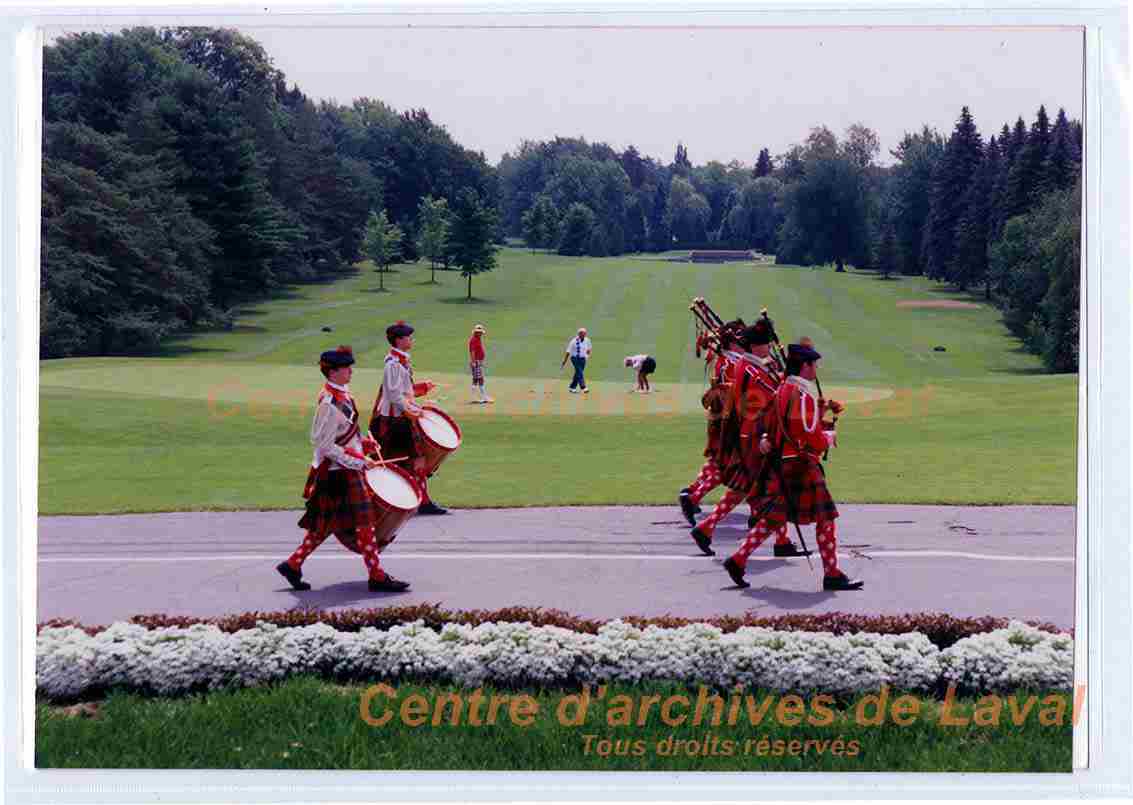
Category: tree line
[1001,217]
[182,176]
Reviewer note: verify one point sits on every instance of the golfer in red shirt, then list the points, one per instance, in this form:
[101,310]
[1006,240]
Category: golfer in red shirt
[476,362]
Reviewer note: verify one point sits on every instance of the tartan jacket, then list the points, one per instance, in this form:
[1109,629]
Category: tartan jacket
[754,383]
[800,413]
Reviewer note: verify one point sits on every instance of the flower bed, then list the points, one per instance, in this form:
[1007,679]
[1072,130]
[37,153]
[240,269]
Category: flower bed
[174,660]
[941,630]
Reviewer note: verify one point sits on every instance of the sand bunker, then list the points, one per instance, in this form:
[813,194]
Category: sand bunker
[939,304]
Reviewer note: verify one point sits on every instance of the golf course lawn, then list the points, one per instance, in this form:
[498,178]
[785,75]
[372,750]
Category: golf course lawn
[220,420]
[308,723]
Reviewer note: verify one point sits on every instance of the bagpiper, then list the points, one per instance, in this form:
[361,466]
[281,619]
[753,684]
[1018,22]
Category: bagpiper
[391,422]
[722,359]
[796,446]
[338,497]
[755,377]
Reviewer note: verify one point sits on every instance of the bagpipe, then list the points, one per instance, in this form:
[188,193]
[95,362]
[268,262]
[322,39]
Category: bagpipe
[712,332]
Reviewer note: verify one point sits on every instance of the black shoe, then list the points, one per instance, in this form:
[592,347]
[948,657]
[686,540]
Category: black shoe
[688,508]
[703,542]
[841,582]
[387,585]
[735,571]
[431,508]
[294,577]
[789,549]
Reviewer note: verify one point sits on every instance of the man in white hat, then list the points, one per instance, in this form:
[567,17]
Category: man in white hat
[476,356]
[578,350]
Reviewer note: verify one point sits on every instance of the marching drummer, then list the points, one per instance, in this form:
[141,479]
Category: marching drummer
[391,423]
[338,497]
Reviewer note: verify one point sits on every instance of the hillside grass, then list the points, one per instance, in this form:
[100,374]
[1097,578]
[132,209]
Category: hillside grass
[220,420]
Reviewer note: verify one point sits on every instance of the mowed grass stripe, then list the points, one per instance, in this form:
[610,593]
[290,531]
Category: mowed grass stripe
[534,302]
[221,420]
[975,442]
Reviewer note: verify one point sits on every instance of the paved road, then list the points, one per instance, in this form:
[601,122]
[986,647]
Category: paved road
[597,562]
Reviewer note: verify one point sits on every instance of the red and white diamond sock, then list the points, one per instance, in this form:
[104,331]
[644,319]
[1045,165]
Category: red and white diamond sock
[706,481]
[730,500]
[310,542]
[756,537]
[828,547]
[370,553]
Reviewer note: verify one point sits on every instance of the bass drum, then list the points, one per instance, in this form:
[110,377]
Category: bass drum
[397,496]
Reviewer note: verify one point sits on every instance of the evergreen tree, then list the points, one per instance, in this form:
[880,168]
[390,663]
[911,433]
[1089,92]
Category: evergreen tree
[382,244]
[997,214]
[969,266]
[1062,161]
[954,175]
[763,164]
[1026,182]
[473,228]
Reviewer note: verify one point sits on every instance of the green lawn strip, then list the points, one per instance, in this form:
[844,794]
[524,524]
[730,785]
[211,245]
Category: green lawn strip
[1008,441]
[221,419]
[306,723]
[532,303]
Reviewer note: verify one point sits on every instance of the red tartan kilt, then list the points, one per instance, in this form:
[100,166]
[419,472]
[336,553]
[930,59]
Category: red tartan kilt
[806,486]
[341,502]
[396,437]
[742,470]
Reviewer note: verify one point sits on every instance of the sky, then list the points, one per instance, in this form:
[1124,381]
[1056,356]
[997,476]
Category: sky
[724,93]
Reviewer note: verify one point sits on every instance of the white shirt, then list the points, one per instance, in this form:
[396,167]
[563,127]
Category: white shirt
[636,360]
[397,387]
[329,423]
[578,348]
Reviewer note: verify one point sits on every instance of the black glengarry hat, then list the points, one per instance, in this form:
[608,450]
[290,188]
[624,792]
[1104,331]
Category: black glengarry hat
[801,353]
[337,358]
[398,329]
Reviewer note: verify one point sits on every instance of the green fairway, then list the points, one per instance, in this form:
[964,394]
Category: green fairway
[309,724]
[220,420]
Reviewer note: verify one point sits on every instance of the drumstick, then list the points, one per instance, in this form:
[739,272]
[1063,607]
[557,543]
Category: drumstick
[383,461]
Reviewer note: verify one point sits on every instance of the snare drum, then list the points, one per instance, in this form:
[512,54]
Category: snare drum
[441,436]
[398,496]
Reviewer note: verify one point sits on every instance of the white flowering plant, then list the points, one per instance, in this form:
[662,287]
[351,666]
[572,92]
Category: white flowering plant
[172,660]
